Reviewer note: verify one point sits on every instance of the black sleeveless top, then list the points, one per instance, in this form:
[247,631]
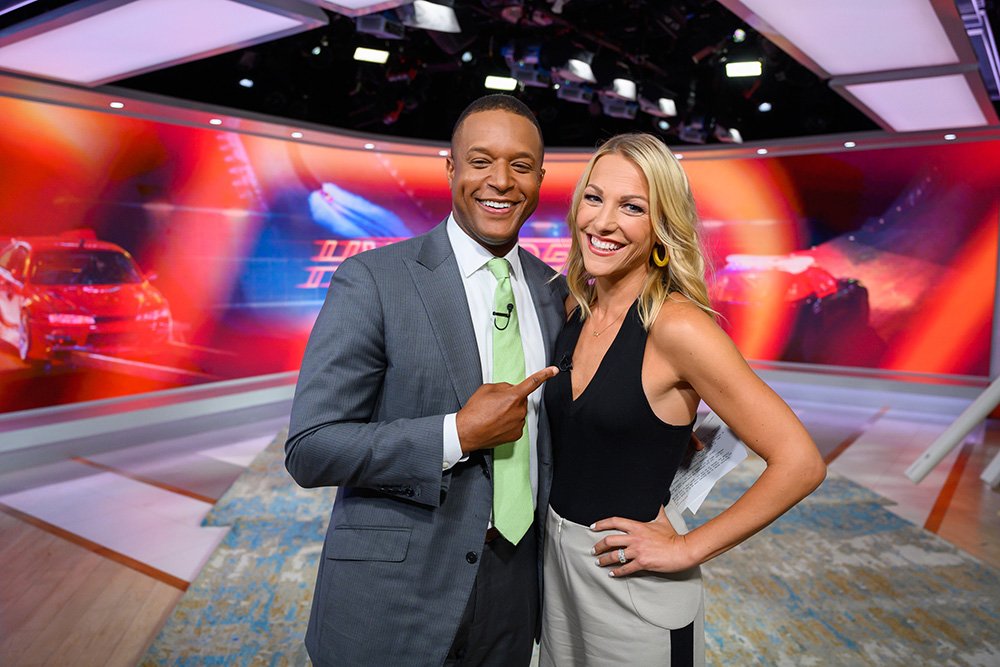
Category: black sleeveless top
[612,455]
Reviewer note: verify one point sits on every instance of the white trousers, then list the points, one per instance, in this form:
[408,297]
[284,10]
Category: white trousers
[591,619]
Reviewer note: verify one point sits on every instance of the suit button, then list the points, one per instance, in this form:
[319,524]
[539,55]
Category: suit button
[472,557]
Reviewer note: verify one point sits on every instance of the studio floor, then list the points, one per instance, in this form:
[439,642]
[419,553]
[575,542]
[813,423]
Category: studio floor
[98,550]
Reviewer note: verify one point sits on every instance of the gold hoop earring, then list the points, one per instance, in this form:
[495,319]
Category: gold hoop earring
[660,261]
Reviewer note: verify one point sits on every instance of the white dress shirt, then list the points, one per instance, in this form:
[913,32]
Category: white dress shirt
[479,286]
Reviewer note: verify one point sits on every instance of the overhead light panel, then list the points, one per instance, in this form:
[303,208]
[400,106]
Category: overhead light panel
[885,57]
[91,43]
[927,103]
[851,36]
[371,55]
[500,83]
[429,16]
[744,68]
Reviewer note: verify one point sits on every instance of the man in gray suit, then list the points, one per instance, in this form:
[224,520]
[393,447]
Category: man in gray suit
[398,407]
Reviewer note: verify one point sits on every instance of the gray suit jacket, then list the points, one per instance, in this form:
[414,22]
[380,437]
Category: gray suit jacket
[392,351]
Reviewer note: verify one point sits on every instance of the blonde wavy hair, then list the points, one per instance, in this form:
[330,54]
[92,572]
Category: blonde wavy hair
[675,227]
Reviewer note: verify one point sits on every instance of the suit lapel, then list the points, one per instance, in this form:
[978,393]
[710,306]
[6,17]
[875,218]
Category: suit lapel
[439,283]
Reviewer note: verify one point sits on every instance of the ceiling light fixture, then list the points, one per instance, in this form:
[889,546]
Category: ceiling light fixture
[91,43]
[744,68]
[500,83]
[367,55]
[916,104]
[429,16]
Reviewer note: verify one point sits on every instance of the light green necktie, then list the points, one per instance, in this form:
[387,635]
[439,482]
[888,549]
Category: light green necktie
[512,505]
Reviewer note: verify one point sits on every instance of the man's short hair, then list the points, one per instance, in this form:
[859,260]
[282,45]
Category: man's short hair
[497,102]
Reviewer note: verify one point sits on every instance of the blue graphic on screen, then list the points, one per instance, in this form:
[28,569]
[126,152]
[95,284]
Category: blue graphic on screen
[347,215]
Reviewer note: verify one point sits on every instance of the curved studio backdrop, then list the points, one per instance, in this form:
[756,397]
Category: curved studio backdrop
[882,259]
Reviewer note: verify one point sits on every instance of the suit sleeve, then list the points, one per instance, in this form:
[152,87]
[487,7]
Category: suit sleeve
[333,440]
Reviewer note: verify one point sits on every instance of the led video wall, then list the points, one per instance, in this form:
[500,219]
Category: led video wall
[137,255]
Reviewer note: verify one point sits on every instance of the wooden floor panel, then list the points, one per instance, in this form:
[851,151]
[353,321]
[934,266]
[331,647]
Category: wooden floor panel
[62,604]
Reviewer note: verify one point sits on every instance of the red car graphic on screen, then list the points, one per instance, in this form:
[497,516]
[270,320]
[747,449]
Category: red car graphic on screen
[73,292]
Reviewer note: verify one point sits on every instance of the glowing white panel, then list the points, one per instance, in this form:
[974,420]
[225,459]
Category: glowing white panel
[371,55]
[500,83]
[94,43]
[854,36]
[909,105]
[746,68]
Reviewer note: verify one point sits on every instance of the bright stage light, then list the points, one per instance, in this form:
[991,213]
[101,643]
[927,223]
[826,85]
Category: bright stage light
[741,69]
[377,56]
[500,83]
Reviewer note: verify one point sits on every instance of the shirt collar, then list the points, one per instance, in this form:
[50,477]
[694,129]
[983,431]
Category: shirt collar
[471,256]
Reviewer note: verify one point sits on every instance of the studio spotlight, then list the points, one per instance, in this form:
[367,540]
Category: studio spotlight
[429,16]
[728,135]
[623,89]
[662,125]
[467,57]
[744,68]
[531,76]
[577,68]
[616,107]
[246,83]
[575,92]
[663,107]
[739,35]
[764,107]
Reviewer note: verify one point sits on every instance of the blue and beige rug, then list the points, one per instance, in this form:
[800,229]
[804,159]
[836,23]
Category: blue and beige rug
[838,580]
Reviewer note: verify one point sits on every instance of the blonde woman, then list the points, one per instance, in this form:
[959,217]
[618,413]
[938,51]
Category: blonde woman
[622,577]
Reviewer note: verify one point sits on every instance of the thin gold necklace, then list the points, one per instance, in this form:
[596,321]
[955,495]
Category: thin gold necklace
[598,333]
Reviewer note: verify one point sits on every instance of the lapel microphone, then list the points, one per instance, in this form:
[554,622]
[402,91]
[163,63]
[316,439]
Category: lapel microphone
[506,323]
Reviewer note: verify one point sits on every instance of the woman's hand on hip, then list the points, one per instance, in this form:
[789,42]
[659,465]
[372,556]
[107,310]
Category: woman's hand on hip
[654,546]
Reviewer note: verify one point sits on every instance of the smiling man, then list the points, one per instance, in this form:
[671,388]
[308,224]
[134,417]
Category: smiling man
[418,397]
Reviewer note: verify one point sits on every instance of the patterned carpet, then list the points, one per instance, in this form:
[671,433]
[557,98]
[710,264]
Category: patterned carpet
[838,580]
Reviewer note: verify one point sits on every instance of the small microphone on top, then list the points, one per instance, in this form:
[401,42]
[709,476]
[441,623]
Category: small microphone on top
[506,323]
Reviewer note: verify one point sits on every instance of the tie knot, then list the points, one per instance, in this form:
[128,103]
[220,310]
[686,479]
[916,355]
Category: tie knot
[499,267]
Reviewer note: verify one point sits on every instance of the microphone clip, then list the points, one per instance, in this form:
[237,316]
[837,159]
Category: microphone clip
[496,322]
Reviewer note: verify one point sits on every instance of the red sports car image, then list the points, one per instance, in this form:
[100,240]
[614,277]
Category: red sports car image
[74,292]
[789,308]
